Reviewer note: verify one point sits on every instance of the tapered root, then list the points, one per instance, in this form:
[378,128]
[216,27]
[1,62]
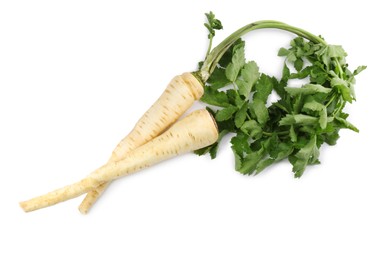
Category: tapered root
[178,96]
[92,197]
[195,131]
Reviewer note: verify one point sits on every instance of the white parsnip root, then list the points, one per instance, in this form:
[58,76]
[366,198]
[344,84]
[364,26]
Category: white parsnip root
[195,131]
[179,95]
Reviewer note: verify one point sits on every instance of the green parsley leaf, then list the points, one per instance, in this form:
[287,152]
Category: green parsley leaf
[299,119]
[218,79]
[212,24]
[238,61]
[345,124]
[252,129]
[359,69]
[304,73]
[241,115]
[215,97]
[307,89]
[249,76]
[264,87]
[283,52]
[307,155]
[250,162]
[227,57]
[279,88]
[259,109]
[240,144]
[320,108]
[298,64]
[318,73]
[293,135]
[226,113]
[342,87]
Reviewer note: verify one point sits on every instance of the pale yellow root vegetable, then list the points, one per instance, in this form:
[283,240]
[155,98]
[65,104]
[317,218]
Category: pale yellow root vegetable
[195,131]
[178,96]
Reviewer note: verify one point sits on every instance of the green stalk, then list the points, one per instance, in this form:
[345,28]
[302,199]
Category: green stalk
[216,54]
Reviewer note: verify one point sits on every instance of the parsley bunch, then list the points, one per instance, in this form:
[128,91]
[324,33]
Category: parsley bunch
[299,122]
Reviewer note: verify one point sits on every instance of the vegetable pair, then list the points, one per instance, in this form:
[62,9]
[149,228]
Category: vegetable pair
[178,96]
[193,132]
[294,127]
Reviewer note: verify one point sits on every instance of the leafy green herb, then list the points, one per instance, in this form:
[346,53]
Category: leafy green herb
[238,61]
[306,155]
[296,125]
[212,25]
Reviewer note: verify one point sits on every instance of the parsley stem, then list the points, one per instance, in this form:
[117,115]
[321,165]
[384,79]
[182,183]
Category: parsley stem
[267,133]
[210,45]
[340,69]
[339,109]
[330,100]
[215,55]
[235,87]
[278,133]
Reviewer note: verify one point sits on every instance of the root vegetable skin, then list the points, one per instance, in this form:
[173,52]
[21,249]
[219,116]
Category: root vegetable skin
[179,95]
[195,131]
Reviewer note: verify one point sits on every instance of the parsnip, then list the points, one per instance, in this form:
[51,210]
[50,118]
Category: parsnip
[178,96]
[141,148]
[195,131]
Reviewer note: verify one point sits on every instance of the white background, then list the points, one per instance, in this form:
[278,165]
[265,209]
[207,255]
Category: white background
[76,75]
